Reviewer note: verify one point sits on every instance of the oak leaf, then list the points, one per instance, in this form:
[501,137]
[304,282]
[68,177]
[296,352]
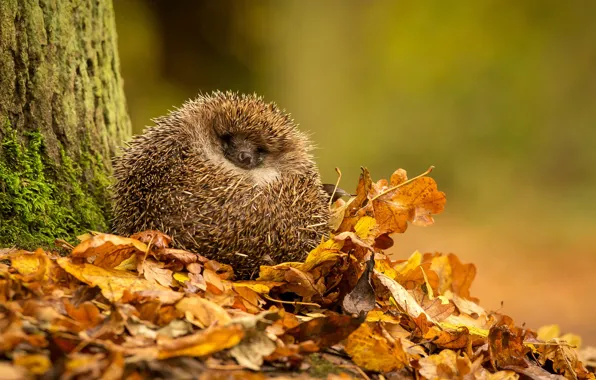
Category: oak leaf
[108,251]
[374,352]
[414,202]
[112,282]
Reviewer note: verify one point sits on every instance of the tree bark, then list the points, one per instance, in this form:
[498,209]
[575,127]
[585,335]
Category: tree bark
[62,116]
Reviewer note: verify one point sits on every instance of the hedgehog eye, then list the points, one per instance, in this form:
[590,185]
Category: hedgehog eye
[226,141]
[261,156]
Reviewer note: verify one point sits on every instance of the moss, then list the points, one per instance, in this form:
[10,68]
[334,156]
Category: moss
[321,368]
[40,201]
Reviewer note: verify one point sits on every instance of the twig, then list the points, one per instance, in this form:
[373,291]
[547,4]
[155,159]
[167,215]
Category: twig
[404,183]
[291,302]
[358,369]
[336,185]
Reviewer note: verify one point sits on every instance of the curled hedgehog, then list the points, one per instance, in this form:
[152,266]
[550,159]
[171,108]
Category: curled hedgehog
[227,176]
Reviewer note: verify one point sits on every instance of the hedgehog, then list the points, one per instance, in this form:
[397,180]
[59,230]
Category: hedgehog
[227,176]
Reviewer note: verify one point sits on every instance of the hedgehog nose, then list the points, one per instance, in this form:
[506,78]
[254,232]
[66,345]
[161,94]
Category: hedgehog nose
[245,158]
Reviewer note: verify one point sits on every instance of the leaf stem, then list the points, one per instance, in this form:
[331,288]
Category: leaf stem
[336,186]
[266,296]
[427,172]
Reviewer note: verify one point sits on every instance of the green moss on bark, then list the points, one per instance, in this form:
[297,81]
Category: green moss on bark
[40,201]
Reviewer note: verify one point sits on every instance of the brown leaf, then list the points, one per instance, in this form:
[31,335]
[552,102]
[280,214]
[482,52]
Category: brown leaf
[437,308]
[364,187]
[453,339]
[108,251]
[506,346]
[157,239]
[362,298]
[300,283]
[86,314]
[325,331]
[449,365]
[180,255]
[154,271]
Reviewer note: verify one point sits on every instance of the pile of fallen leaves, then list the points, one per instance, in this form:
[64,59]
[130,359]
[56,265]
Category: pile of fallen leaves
[135,308]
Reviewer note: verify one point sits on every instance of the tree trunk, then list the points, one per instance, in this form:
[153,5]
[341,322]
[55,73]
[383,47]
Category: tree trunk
[62,116]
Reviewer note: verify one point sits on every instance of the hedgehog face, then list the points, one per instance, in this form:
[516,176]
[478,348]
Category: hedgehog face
[243,152]
[251,138]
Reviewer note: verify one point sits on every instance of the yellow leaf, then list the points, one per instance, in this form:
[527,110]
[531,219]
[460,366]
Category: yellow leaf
[410,264]
[413,202]
[203,313]
[261,287]
[204,342]
[441,266]
[548,332]
[181,277]
[384,267]
[455,322]
[27,263]
[366,229]
[36,364]
[553,332]
[326,251]
[128,264]
[276,272]
[112,282]
[380,316]
[373,352]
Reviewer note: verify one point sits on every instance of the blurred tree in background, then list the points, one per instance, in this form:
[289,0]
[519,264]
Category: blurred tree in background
[498,95]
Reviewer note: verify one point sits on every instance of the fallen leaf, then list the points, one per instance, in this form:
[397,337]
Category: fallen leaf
[402,297]
[372,351]
[203,313]
[157,239]
[202,343]
[112,282]
[154,271]
[35,364]
[325,331]
[362,298]
[252,349]
[108,250]
[506,346]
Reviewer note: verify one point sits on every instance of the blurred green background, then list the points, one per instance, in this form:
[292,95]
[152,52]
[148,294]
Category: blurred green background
[499,95]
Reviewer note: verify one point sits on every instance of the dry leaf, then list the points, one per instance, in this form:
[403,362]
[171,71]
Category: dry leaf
[203,313]
[373,351]
[204,342]
[112,282]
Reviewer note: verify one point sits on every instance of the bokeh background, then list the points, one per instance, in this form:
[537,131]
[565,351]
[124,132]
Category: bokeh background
[499,95]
